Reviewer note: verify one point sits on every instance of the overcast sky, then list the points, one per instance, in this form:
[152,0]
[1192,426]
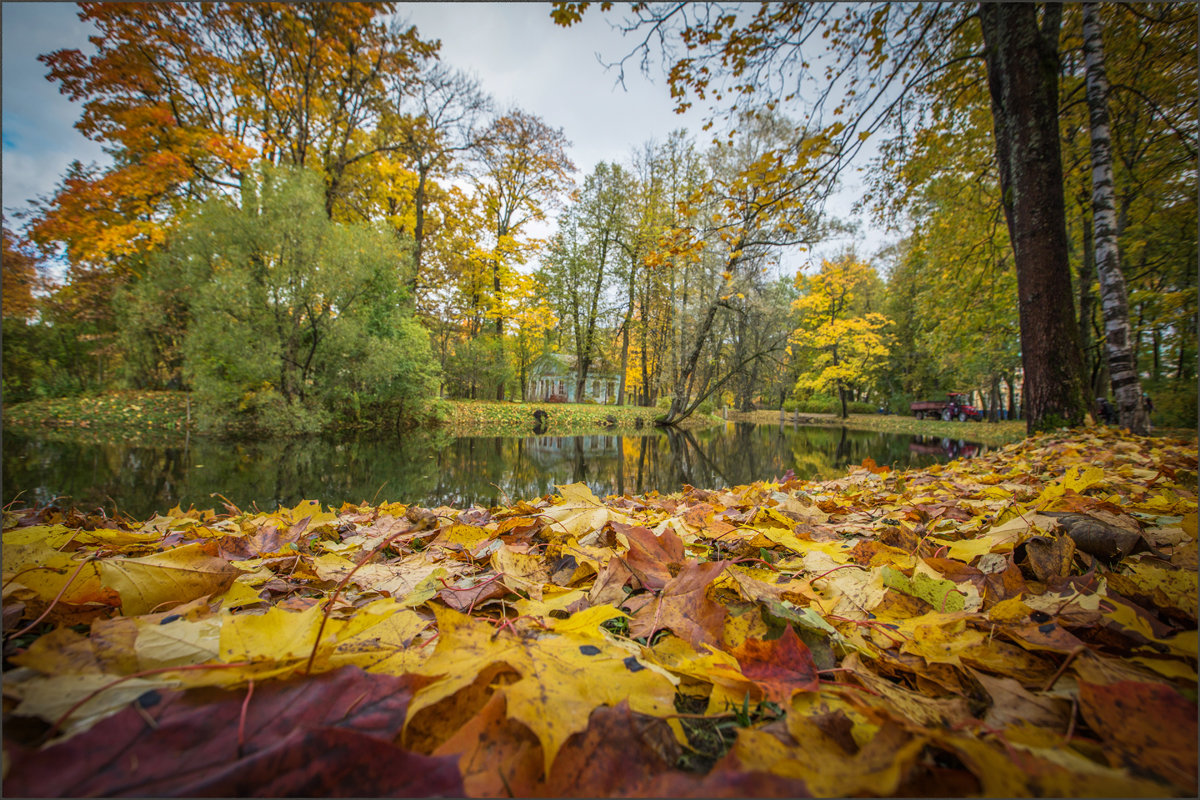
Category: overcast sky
[521,58]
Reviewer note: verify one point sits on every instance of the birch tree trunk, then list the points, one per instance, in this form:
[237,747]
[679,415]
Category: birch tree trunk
[1126,387]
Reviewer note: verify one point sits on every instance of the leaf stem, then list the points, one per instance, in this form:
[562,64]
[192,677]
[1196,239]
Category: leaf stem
[57,597]
[1063,668]
[241,736]
[338,589]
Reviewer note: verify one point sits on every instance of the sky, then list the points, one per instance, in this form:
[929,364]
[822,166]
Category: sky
[520,57]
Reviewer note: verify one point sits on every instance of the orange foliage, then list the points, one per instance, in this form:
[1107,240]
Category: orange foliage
[187,96]
[20,279]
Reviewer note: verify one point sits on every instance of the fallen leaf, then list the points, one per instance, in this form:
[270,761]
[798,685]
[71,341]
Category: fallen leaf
[780,666]
[147,584]
[684,607]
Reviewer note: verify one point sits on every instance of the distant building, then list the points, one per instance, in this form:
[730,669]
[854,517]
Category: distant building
[553,377]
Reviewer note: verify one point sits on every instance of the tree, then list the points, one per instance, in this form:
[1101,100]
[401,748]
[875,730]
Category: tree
[477,367]
[532,319]
[186,97]
[20,279]
[646,219]
[846,341]
[523,168]
[1022,64]
[757,200]
[1126,386]
[757,327]
[581,259]
[432,120]
[24,339]
[678,168]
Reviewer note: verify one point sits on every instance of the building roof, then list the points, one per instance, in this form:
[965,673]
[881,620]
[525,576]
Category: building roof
[565,362]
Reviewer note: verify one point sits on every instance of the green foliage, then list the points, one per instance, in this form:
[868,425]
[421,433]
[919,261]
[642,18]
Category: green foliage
[22,366]
[389,374]
[477,368]
[1174,405]
[825,404]
[289,319]
[154,315]
[49,360]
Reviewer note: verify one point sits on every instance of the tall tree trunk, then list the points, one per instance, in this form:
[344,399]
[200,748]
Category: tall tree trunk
[501,231]
[1156,352]
[1087,302]
[1022,71]
[581,377]
[1126,387]
[624,363]
[625,331]
[419,201]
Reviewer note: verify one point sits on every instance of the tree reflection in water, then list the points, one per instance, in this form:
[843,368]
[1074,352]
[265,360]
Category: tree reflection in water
[432,470]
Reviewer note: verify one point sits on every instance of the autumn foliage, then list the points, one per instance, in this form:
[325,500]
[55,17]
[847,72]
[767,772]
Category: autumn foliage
[1019,624]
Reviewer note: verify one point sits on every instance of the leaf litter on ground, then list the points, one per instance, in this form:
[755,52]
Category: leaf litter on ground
[1019,624]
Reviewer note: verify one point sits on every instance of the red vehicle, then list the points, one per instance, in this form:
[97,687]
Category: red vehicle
[956,406]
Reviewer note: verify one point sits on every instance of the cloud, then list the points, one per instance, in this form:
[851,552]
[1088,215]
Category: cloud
[523,59]
[519,55]
[40,140]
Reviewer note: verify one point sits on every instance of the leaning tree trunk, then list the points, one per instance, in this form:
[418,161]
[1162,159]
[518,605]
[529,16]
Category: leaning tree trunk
[1022,71]
[679,403]
[1126,387]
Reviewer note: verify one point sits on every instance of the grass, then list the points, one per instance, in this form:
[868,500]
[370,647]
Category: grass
[140,414]
[128,411]
[989,433]
[490,417]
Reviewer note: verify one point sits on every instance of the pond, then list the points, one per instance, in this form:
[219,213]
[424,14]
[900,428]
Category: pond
[432,469]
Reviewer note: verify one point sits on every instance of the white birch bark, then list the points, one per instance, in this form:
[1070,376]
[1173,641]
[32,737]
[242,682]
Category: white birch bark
[1118,345]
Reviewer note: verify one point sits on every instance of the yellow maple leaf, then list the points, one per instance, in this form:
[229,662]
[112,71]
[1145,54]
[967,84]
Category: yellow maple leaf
[563,675]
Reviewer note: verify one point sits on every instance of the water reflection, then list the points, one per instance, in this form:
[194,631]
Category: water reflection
[438,470]
[944,446]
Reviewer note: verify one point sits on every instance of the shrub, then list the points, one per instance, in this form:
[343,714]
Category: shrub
[477,366]
[262,349]
[1174,406]
[824,404]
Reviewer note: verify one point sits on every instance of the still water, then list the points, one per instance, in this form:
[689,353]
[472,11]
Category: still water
[432,470]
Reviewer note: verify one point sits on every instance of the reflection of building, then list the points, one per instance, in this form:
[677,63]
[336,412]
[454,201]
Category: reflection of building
[554,377]
[553,449]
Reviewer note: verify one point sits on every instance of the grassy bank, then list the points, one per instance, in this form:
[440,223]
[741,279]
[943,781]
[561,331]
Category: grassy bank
[120,412]
[137,414]
[153,416]
[484,417]
[990,433]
